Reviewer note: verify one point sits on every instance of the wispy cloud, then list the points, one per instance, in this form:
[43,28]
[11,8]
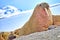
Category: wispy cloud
[27,11]
[9,11]
[54,5]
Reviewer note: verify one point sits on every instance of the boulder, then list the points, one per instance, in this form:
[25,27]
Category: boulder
[53,34]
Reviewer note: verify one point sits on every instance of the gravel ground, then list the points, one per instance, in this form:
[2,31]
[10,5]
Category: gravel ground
[53,34]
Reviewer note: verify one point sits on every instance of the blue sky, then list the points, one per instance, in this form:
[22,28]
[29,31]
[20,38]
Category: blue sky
[12,23]
[25,4]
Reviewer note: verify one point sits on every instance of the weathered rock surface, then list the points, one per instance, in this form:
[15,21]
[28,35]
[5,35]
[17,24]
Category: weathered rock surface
[53,34]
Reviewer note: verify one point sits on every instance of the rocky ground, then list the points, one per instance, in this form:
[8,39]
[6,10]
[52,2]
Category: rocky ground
[52,34]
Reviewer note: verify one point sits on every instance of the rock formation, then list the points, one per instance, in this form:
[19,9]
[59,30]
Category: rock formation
[40,20]
[53,34]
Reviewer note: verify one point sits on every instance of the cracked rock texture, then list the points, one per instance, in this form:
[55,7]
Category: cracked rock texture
[53,34]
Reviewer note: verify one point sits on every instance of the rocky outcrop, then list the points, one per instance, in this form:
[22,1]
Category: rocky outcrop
[53,34]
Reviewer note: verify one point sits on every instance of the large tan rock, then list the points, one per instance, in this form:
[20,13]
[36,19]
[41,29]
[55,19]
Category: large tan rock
[40,20]
[53,34]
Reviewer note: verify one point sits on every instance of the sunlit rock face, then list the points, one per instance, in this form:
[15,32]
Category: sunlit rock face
[53,34]
[56,20]
[40,20]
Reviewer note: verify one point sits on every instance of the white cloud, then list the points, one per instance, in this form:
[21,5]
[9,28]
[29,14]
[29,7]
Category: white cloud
[9,11]
[27,11]
[54,5]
